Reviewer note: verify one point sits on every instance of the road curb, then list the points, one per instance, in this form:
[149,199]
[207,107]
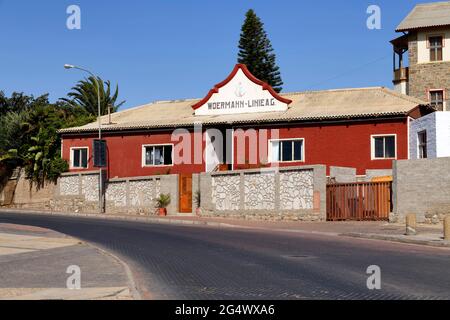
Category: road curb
[423,242]
[123,218]
[156,220]
[131,282]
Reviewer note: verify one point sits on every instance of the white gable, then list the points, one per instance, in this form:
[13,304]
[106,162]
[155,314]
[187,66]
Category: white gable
[242,93]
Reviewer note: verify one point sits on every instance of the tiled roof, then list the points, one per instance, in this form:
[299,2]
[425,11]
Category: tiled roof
[427,15]
[310,105]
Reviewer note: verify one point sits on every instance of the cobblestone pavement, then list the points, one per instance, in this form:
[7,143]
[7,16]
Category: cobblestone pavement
[200,262]
[34,261]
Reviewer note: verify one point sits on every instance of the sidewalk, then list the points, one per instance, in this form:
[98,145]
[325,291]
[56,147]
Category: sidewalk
[34,263]
[431,235]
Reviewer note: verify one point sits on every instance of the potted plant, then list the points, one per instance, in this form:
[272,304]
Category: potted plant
[161,204]
[197,199]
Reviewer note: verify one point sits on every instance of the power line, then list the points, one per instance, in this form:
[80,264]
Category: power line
[310,87]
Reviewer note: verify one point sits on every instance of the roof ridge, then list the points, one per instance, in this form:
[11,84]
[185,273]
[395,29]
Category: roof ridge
[152,103]
[131,109]
[334,90]
[174,100]
[380,88]
[282,94]
[404,96]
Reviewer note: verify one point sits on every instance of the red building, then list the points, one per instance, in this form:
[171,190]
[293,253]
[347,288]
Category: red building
[244,123]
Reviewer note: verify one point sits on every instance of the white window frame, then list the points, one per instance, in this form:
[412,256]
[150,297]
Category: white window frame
[372,145]
[269,150]
[419,145]
[144,146]
[72,149]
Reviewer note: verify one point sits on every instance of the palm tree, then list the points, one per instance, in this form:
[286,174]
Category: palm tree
[84,94]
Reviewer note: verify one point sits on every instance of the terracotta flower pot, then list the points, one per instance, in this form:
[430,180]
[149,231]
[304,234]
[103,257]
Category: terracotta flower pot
[162,212]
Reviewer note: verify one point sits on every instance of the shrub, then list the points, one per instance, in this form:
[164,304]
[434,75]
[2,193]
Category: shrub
[163,200]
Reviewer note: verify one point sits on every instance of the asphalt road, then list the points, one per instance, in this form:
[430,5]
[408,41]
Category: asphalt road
[197,262]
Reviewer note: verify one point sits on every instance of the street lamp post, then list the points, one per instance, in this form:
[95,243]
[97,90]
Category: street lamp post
[100,177]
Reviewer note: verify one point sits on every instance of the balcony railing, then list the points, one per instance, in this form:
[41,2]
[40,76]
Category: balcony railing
[401,74]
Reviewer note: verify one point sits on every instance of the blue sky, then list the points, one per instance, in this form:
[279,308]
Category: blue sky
[159,50]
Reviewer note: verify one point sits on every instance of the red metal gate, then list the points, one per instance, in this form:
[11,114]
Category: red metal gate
[359,201]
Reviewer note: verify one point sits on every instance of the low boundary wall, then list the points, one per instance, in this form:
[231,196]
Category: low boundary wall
[78,192]
[289,193]
[421,187]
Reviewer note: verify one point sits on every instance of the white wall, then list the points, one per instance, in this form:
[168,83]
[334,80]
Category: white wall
[443,134]
[214,149]
[242,92]
[402,87]
[423,52]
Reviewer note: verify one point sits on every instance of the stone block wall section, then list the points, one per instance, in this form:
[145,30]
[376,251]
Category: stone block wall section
[78,192]
[291,193]
[348,175]
[425,76]
[19,192]
[421,187]
[343,174]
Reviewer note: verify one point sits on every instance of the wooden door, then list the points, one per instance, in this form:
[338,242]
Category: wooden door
[185,192]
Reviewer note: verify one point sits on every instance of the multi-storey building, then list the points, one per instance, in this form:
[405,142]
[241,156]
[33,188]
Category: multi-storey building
[426,38]
[426,75]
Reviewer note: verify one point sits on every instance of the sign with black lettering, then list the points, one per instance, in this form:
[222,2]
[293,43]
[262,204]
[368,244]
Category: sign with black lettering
[99,153]
[241,92]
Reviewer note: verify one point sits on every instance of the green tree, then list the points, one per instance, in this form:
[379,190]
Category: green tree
[84,95]
[19,102]
[11,134]
[29,134]
[256,52]
[43,162]
[42,158]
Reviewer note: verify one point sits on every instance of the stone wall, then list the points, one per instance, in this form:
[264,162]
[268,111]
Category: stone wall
[259,191]
[78,192]
[4,178]
[297,190]
[226,192]
[294,193]
[7,192]
[421,187]
[133,195]
[425,76]
[19,192]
